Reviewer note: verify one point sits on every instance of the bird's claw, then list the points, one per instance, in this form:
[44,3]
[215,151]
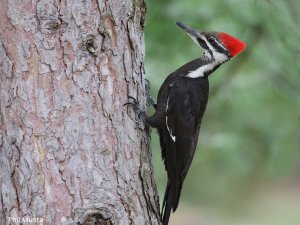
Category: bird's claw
[141,114]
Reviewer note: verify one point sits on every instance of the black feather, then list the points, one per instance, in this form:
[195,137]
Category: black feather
[180,107]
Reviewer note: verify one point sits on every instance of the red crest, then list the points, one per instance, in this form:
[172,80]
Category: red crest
[234,45]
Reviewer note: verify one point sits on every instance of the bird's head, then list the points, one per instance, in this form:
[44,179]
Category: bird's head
[217,46]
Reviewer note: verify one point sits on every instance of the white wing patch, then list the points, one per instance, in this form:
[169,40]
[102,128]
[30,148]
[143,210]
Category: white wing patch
[170,132]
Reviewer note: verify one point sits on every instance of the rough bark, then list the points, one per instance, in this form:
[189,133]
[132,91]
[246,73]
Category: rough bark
[70,153]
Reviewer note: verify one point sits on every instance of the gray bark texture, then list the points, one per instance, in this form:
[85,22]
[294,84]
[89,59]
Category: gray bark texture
[70,152]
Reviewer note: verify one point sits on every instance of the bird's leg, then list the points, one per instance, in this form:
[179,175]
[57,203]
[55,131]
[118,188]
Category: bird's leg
[150,101]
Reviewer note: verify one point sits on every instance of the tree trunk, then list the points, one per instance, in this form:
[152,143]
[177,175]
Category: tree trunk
[71,153]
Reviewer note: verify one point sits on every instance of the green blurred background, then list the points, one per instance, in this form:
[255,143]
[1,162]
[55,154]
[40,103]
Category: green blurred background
[247,166]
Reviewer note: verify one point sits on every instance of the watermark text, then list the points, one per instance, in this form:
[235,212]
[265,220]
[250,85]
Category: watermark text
[35,220]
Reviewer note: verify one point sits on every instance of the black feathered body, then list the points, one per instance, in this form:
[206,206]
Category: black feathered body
[180,107]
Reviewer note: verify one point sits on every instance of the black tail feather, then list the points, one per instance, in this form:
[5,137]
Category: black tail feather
[167,205]
[177,197]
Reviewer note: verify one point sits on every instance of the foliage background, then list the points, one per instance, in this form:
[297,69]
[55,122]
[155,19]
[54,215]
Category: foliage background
[247,166]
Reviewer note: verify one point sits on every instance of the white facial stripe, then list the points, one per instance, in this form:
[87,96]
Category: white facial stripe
[207,54]
[208,44]
[219,44]
[215,53]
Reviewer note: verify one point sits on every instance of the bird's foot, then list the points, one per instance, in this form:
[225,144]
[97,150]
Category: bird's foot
[140,113]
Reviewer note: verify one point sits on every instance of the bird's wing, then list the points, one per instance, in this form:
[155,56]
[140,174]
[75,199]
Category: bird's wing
[180,137]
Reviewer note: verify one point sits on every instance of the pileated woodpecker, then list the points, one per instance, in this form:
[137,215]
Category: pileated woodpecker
[180,107]
[181,103]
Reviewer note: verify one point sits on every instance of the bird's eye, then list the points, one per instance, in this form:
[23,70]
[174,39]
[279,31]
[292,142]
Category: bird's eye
[211,40]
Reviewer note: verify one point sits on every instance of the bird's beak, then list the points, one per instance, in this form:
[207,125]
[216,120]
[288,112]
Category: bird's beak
[194,34]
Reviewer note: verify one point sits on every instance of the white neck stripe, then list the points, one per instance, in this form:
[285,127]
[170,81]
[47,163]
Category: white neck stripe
[201,71]
[219,58]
